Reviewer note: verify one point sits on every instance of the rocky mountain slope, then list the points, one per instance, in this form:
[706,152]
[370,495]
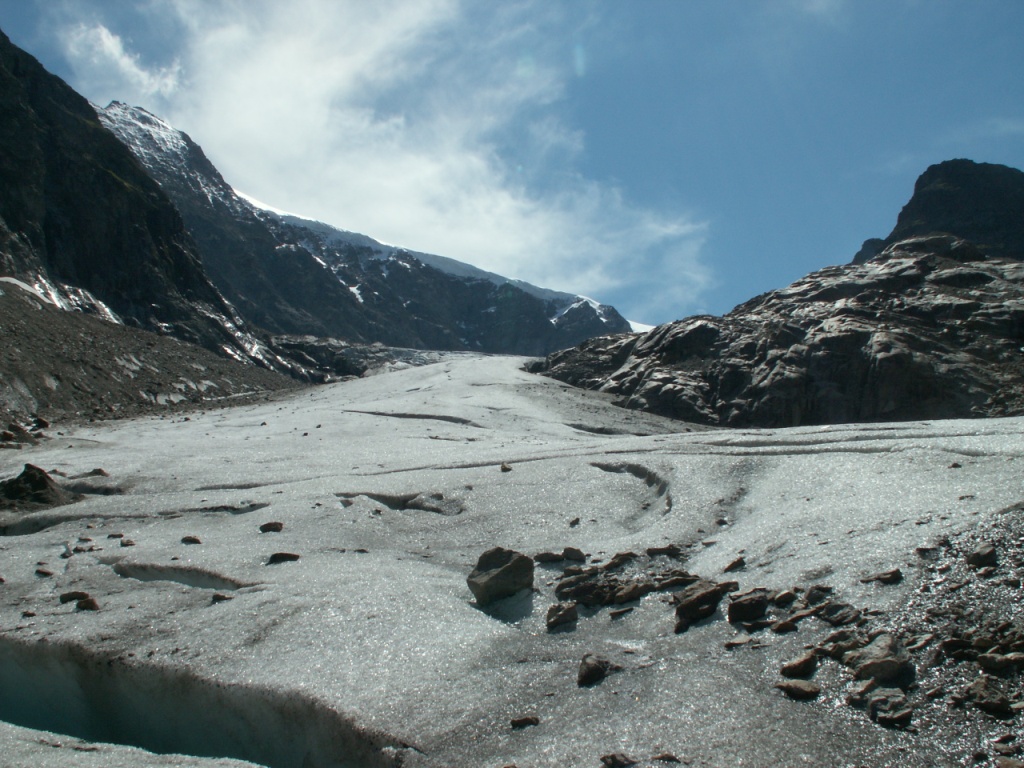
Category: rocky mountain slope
[931,326]
[64,366]
[295,276]
[84,223]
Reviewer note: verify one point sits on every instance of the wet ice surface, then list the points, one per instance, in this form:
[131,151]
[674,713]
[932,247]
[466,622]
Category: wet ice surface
[368,650]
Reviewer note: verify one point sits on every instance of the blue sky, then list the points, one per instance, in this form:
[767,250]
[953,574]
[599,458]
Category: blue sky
[670,157]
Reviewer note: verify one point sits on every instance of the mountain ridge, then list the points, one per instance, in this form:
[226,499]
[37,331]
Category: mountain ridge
[926,323]
[294,275]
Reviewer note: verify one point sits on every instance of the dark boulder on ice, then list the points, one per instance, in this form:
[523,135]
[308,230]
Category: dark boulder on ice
[500,573]
[33,488]
[929,326]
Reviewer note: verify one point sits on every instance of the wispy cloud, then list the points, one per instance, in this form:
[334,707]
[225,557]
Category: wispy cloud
[435,124]
[104,63]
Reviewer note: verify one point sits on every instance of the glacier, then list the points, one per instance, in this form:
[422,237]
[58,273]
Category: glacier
[368,648]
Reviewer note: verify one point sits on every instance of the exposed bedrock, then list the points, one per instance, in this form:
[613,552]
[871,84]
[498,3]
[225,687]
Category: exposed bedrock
[928,323]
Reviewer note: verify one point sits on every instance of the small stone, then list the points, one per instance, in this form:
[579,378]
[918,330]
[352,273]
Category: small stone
[889,707]
[737,642]
[784,627]
[88,604]
[819,593]
[525,722]
[893,576]
[115,535]
[839,614]
[619,613]
[272,527]
[800,690]
[698,601]
[593,669]
[784,598]
[68,597]
[574,522]
[190,540]
[547,557]
[218,597]
[666,757]
[617,760]
[574,554]
[984,555]
[670,550]
[803,665]
[562,614]
[44,572]
[748,606]
[505,467]
[736,565]
[282,557]
[127,543]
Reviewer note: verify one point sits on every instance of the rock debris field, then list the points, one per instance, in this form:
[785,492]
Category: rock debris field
[466,564]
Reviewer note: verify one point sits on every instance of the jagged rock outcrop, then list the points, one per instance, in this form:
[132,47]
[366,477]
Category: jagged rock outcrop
[295,276]
[931,326]
[83,222]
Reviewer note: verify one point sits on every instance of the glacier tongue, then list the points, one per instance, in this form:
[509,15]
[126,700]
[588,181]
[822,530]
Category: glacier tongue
[368,649]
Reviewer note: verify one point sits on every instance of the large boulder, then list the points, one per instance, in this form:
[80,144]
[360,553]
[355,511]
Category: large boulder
[500,573]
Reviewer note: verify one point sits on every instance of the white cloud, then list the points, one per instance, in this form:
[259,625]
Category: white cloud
[103,63]
[433,124]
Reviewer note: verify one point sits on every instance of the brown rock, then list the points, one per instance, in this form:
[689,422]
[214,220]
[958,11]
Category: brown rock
[593,669]
[893,576]
[735,565]
[500,573]
[666,757]
[984,555]
[562,614]
[617,760]
[525,722]
[272,527]
[698,601]
[748,606]
[88,604]
[800,690]
[884,658]
[987,695]
[803,665]
[190,540]
[68,597]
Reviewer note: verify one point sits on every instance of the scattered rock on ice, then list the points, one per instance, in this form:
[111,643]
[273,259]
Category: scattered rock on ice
[282,557]
[524,722]
[272,527]
[561,615]
[800,690]
[593,669]
[883,659]
[803,665]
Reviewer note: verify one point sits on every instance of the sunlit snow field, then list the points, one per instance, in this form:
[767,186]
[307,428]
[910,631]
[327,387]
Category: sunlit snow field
[369,649]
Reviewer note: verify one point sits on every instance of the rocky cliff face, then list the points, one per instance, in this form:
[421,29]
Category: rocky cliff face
[295,276]
[82,221]
[930,326]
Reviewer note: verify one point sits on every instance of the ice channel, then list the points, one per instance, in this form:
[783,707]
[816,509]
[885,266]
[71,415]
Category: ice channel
[67,689]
